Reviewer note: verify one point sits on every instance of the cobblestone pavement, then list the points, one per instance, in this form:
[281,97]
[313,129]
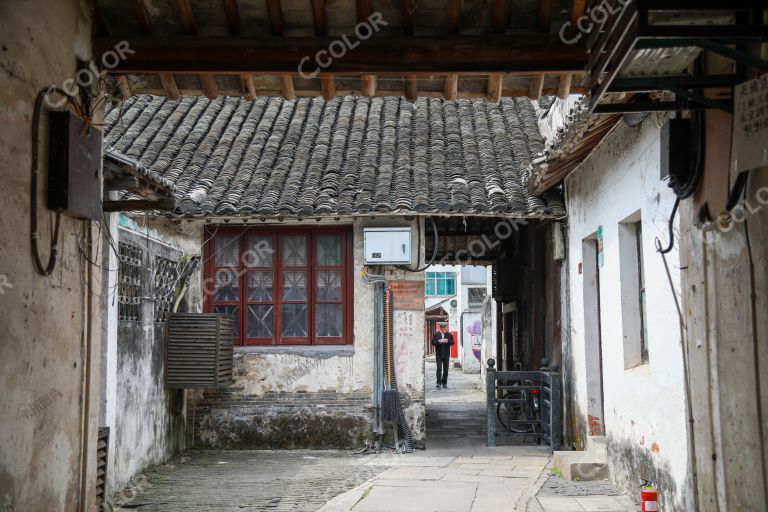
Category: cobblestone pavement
[225,481]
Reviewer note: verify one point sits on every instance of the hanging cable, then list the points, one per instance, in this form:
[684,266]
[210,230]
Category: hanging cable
[434,249]
[34,235]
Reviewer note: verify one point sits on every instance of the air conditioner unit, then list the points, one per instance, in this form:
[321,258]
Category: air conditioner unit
[198,350]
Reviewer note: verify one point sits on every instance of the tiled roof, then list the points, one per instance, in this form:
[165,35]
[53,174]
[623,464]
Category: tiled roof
[307,157]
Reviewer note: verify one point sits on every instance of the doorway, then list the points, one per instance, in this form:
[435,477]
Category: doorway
[593,348]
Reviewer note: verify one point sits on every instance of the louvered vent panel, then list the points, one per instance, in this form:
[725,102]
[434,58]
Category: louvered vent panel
[199,350]
[102,455]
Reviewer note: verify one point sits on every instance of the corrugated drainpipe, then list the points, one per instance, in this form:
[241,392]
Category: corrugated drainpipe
[378,350]
[86,385]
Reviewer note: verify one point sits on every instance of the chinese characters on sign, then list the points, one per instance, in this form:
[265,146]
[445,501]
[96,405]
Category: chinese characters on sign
[750,125]
[408,295]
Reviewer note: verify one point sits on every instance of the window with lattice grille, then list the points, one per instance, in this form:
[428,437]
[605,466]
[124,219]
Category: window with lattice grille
[164,276]
[129,281]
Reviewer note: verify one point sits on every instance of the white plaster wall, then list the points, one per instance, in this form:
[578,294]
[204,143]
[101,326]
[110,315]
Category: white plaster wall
[644,406]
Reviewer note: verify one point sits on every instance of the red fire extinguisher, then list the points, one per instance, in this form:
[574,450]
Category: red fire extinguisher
[649,500]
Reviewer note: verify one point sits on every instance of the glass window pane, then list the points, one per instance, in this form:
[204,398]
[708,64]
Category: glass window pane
[232,311]
[328,285]
[295,251]
[441,288]
[450,287]
[293,320]
[259,251]
[226,286]
[430,287]
[328,320]
[260,286]
[227,250]
[329,250]
[294,285]
[260,321]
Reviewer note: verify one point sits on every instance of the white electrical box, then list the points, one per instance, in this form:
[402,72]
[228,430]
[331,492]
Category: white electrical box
[387,245]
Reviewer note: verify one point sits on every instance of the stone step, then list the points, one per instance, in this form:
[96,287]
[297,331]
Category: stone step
[585,465]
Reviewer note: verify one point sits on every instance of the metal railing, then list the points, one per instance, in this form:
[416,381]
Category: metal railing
[524,403]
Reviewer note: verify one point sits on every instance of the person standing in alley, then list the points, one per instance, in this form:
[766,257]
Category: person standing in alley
[442,340]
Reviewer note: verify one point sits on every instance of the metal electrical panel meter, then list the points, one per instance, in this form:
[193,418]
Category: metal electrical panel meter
[387,246]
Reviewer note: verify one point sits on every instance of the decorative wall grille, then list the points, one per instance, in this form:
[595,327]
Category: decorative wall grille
[129,293]
[166,275]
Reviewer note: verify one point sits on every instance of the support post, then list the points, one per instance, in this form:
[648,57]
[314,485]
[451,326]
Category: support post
[490,388]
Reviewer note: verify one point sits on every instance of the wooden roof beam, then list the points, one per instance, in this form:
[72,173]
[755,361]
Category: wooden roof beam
[494,87]
[320,17]
[275,14]
[411,88]
[232,14]
[125,89]
[328,86]
[209,86]
[286,84]
[249,86]
[536,87]
[499,16]
[520,53]
[408,16]
[141,14]
[363,10]
[454,16]
[186,16]
[169,85]
[368,85]
[451,87]
[546,11]
[564,86]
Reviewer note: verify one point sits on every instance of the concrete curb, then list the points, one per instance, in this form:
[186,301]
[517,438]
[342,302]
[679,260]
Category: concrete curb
[529,496]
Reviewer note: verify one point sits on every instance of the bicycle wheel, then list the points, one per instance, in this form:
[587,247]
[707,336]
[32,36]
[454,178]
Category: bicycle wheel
[512,411]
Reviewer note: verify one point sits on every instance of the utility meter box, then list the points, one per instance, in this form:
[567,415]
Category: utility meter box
[387,246]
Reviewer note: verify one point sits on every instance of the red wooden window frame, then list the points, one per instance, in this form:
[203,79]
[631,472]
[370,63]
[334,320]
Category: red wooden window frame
[244,270]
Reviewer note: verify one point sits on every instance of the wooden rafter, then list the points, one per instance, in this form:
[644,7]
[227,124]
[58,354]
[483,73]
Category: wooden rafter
[454,16]
[536,87]
[249,86]
[125,90]
[411,88]
[209,86]
[494,87]
[275,14]
[499,16]
[232,13]
[169,85]
[564,86]
[368,85]
[286,83]
[408,16]
[186,16]
[328,86]
[546,11]
[319,17]
[577,12]
[451,87]
[363,10]
[141,14]
[532,53]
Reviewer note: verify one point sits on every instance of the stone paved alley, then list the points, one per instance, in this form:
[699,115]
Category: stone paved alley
[455,473]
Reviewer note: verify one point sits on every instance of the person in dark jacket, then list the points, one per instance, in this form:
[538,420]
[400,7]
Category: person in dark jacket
[442,341]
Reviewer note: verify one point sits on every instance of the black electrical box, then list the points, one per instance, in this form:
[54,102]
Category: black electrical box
[74,166]
[676,150]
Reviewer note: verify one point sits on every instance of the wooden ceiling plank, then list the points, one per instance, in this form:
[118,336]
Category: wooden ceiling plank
[275,14]
[169,86]
[546,11]
[125,89]
[286,83]
[454,16]
[320,17]
[363,10]
[408,16]
[494,87]
[186,16]
[141,14]
[232,13]
[533,53]
[411,88]
[328,86]
[536,87]
[209,86]
[564,86]
[368,85]
[577,12]
[451,87]
[499,16]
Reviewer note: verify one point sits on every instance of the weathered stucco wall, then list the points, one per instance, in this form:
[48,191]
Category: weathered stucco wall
[148,424]
[644,405]
[43,325]
[317,397]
